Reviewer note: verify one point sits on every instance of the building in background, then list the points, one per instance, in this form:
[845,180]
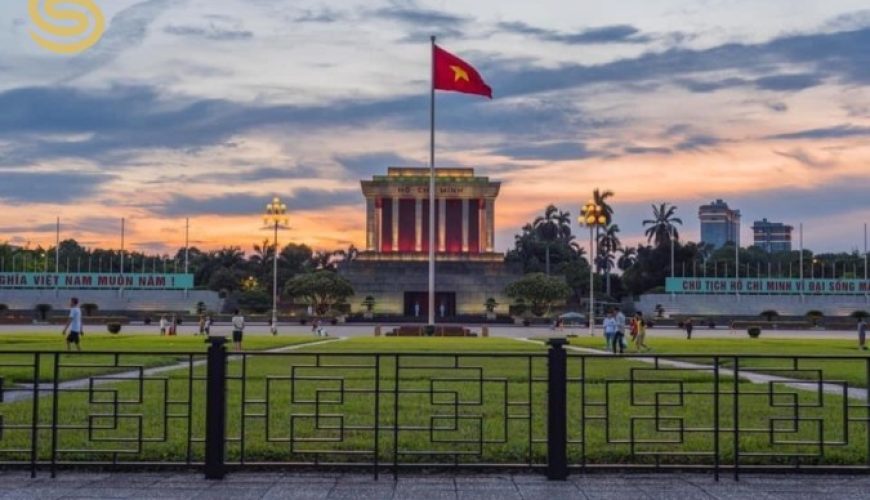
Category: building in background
[772,236]
[393,269]
[719,224]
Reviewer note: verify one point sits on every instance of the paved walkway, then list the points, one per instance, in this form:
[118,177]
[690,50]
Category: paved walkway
[310,486]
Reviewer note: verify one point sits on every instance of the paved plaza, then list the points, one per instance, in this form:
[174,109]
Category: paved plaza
[505,331]
[358,486]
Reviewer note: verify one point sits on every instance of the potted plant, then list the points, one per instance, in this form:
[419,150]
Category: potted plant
[660,311]
[89,309]
[42,310]
[814,317]
[754,331]
[369,304]
[490,306]
[113,328]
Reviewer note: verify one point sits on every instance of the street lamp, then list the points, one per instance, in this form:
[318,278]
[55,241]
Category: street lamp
[275,219]
[592,216]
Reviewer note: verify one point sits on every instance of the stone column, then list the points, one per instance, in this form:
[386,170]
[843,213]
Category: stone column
[465,225]
[371,227]
[379,213]
[395,224]
[442,225]
[490,224]
[418,225]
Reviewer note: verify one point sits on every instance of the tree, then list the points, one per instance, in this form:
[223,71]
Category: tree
[223,279]
[627,259]
[600,198]
[608,245]
[539,290]
[322,289]
[662,225]
[550,227]
[539,242]
[255,300]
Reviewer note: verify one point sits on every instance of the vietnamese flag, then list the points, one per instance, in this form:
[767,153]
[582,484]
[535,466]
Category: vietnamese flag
[453,74]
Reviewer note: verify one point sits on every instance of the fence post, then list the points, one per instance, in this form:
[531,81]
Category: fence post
[216,408]
[557,410]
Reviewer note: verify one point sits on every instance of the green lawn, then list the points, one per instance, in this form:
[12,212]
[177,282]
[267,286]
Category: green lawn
[459,400]
[853,371]
[18,368]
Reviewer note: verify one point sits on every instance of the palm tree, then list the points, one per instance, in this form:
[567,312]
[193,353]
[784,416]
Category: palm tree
[662,225]
[600,199]
[608,245]
[627,259]
[550,227]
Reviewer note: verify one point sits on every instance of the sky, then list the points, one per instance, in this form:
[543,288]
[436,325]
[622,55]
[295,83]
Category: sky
[207,108]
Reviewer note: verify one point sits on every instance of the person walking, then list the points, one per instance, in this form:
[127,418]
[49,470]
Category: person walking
[640,338]
[162,325]
[620,328]
[609,330]
[208,325]
[73,325]
[201,324]
[862,334]
[689,327]
[238,329]
[173,326]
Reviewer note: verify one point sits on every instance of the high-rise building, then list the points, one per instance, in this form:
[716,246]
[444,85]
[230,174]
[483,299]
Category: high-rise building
[719,224]
[772,236]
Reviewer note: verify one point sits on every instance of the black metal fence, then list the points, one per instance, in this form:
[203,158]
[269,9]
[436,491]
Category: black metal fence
[556,411]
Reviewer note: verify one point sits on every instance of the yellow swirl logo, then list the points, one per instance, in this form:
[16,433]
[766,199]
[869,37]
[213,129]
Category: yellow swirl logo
[72,26]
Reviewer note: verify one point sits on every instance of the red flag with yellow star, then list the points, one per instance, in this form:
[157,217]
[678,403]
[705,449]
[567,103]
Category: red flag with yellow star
[454,74]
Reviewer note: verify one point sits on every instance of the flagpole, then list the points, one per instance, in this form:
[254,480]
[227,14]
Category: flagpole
[432,189]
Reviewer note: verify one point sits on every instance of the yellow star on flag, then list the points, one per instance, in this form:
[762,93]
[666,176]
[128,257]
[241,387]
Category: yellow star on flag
[459,74]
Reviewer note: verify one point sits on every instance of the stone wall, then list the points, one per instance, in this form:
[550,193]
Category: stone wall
[473,283]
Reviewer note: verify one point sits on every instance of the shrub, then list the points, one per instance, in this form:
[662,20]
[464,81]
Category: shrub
[303,321]
[814,316]
[859,315]
[333,321]
[369,303]
[113,327]
[3,309]
[89,309]
[490,304]
[754,331]
[769,315]
[147,320]
[42,310]
[711,324]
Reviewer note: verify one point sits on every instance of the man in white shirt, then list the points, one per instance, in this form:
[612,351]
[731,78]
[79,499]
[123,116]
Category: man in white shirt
[238,329]
[73,325]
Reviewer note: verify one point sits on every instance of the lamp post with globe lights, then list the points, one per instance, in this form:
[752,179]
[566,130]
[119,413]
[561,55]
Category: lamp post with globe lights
[275,219]
[592,216]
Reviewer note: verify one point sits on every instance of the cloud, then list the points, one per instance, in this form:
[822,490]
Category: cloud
[303,199]
[422,23]
[553,151]
[618,33]
[419,17]
[804,158]
[789,82]
[127,29]
[644,150]
[323,15]
[368,164]
[840,55]
[49,187]
[835,132]
[697,142]
[210,32]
